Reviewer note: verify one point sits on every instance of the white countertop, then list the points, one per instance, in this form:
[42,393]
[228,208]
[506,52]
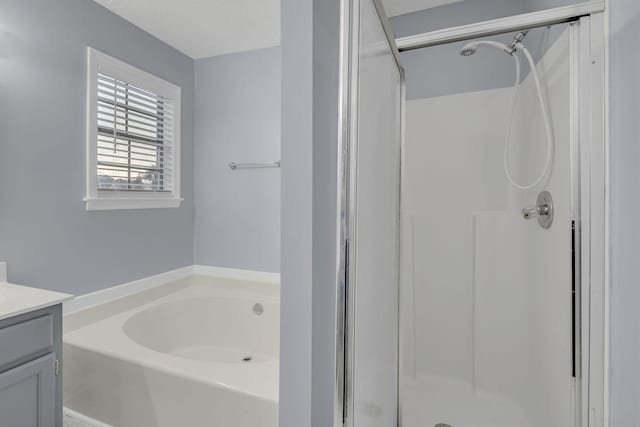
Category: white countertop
[17,299]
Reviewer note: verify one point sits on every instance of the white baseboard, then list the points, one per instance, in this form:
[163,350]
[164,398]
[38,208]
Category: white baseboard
[234,273]
[83,302]
[109,294]
[72,418]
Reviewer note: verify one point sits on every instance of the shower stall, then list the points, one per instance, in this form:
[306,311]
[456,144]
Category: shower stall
[473,222]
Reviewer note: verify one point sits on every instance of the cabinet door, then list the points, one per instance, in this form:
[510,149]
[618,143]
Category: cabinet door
[27,394]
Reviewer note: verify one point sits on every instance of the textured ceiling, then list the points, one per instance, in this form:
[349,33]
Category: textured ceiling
[202,28]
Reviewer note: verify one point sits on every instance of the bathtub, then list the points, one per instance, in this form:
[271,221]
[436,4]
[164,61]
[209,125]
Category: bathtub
[198,351]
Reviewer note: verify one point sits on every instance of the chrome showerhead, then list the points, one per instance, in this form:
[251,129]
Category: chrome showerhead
[469,50]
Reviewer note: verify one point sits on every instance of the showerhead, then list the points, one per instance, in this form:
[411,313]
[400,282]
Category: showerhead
[471,48]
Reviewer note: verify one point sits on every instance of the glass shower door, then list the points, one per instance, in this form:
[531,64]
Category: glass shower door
[372,323]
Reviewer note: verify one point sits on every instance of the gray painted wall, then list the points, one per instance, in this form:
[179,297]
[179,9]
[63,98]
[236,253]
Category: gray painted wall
[624,32]
[310,82]
[237,118]
[296,280]
[454,14]
[46,235]
[440,70]
[326,117]
[537,5]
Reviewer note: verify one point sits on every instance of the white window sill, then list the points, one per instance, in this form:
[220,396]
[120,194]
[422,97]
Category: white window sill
[112,203]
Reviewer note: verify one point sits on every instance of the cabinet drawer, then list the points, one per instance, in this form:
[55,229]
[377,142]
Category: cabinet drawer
[21,340]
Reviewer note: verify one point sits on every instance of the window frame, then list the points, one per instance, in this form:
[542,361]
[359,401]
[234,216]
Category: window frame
[99,62]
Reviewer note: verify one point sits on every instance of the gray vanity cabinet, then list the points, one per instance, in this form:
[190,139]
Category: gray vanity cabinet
[30,377]
[27,394]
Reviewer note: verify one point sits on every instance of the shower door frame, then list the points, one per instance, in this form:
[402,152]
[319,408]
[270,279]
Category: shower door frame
[589,189]
[346,212]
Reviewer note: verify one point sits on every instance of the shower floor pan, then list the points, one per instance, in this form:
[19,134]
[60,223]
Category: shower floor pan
[432,402]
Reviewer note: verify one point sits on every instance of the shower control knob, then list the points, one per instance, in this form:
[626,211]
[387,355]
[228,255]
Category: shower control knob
[530,212]
[534,211]
[543,210]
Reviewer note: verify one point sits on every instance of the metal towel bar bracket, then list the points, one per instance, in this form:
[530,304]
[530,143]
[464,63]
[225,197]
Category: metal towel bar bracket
[257,165]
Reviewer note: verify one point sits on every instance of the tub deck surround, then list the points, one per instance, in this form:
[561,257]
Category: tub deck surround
[117,292]
[201,350]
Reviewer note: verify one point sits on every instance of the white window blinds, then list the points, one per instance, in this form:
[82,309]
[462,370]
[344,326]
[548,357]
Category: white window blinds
[135,138]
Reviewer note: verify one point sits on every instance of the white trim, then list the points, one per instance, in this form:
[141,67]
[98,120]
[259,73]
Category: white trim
[575,56]
[593,210]
[584,112]
[350,214]
[607,191]
[126,72]
[237,274]
[110,200]
[92,299]
[498,26]
[103,296]
[114,203]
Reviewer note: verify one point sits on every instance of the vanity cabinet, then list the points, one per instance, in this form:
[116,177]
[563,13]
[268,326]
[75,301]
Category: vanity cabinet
[30,369]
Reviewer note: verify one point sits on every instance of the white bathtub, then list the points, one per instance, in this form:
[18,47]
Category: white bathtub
[200,351]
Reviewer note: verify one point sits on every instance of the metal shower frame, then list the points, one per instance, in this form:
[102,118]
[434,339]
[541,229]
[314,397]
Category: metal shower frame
[589,188]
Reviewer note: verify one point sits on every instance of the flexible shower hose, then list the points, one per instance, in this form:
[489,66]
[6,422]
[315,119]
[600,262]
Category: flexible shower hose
[545,116]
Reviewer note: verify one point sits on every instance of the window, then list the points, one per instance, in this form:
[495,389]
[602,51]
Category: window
[133,138]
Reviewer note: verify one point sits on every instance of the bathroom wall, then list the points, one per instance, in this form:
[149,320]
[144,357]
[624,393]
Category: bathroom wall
[296,283]
[46,235]
[310,114]
[455,14]
[624,158]
[237,118]
[537,5]
[477,266]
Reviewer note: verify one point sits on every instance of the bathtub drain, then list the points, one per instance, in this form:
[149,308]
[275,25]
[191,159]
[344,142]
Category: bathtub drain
[247,359]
